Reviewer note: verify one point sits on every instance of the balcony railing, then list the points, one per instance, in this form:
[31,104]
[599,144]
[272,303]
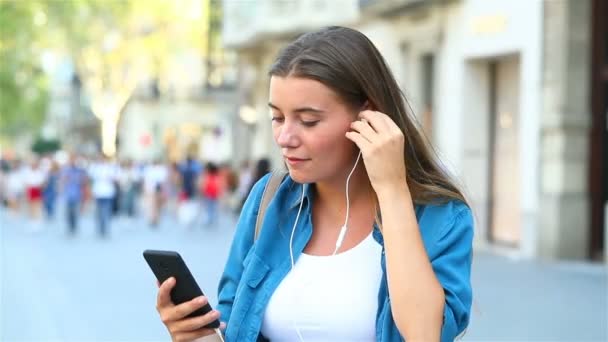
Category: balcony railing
[390,7]
[248,22]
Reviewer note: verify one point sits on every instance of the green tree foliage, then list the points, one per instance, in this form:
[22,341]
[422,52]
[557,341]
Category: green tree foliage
[43,146]
[27,29]
[23,85]
[114,44]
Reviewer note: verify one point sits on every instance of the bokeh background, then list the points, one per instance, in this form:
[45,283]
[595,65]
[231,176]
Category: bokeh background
[127,125]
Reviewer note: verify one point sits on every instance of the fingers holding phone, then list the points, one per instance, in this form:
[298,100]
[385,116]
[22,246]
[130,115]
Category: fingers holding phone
[164,293]
[195,325]
[175,317]
[181,304]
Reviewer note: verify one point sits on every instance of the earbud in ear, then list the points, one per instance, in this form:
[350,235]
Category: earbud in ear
[366,105]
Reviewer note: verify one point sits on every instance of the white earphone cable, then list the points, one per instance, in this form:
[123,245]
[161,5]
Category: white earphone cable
[339,241]
[219,334]
[345,226]
[293,320]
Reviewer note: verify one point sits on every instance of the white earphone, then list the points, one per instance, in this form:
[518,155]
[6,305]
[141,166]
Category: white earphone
[341,235]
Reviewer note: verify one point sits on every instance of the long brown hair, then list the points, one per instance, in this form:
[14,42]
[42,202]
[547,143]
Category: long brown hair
[347,62]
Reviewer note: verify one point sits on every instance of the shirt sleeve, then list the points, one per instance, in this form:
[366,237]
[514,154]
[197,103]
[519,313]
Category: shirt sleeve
[452,266]
[242,242]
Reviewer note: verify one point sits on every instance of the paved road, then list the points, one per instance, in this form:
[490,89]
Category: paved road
[53,288]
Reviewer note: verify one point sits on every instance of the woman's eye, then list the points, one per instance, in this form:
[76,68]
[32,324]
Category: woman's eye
[310,123]
[277,119]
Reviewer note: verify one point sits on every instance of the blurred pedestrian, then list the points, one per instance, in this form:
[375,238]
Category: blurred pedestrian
[128,181]
[244,178]
[262,168]
[104,175]
[15,186]
[229,184]
[211,191]
[175,193]
[155,186]
[118,193]
[190,170]
[73,182]
[50,190]
[34,181]
[4,170]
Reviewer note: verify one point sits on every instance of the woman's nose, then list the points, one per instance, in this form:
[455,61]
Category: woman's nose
[287,135]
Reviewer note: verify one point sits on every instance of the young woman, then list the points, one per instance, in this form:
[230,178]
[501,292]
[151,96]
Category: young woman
[367,239]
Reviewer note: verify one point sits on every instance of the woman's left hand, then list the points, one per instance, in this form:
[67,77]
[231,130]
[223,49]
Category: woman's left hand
[382,144]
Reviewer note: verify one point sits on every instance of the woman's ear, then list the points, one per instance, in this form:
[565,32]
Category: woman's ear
[367,105]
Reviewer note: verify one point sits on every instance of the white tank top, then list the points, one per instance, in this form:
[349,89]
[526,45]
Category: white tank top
[328,298]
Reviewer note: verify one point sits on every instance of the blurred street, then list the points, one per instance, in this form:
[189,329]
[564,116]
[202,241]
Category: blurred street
[83,288]
[131,125]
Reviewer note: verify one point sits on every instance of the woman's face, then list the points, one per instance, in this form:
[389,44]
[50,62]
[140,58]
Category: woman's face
[309,122]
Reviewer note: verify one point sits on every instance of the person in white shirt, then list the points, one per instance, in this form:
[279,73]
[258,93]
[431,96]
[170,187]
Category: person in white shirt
[128,179]
[15,186]
[155,183]
[103,174]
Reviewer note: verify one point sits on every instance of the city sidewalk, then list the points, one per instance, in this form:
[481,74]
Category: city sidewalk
[86,289]
[531,300]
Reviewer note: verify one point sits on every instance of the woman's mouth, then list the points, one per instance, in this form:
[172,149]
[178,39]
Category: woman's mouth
[295,161]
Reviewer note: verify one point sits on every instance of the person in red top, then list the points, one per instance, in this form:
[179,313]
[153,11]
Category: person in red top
[35,177]
[211,189]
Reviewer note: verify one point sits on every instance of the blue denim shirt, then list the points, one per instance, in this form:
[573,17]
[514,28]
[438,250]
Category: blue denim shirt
[255,268]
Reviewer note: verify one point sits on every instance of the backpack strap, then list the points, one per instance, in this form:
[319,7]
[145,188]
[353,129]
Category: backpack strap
[276,177]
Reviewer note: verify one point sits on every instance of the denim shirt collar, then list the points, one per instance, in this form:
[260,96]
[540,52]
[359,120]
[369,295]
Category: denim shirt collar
[296,196]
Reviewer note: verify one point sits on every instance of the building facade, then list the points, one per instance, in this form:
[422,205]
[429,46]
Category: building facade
[502,88]
[185,108]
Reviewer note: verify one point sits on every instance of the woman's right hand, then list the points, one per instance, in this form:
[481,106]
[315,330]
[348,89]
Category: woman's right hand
[182,328]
